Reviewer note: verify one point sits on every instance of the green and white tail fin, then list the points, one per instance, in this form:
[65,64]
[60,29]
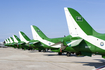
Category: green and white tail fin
[8,40]
[37,33]
[40,36]
[11,39]
[16,39]
[23,37]
[77,25]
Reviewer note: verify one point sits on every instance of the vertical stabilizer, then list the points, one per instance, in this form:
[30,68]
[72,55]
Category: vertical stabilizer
[37,33]
[23,37]
[11,39]
[40,36]
[77,25]
[8,40]
[16,39]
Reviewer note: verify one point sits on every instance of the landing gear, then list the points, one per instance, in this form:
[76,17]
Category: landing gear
[44,50]
[39,50]
[22,48]
[68,54]
[59,53]
[78,54]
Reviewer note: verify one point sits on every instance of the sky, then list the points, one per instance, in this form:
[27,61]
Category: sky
[48,15]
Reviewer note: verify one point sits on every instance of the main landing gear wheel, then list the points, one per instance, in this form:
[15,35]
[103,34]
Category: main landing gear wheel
[44,50]
[78,54]
[68,54]
[39,50]
[59,53]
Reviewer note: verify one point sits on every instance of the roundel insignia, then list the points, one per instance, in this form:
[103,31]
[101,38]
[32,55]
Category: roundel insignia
[49,43]
[102,44]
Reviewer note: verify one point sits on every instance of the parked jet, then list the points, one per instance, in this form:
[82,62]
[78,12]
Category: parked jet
[19,43]
[33,44]
[6,42]
[24,38]
[16,40]
[93,42]
[12,42]
[55,44]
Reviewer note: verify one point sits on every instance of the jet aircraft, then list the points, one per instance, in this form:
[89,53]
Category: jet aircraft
[92,43]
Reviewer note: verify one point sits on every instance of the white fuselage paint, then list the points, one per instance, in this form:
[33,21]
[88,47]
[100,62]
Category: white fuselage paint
[22,38]
[76,31]
[37,37]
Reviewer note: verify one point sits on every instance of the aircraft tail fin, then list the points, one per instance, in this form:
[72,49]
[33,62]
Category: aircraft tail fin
[23,37]
[6,41]
[77,25]
[11,39]
[37,33]
[16,39]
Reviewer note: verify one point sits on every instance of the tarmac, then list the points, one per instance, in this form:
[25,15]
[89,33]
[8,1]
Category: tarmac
[18,59]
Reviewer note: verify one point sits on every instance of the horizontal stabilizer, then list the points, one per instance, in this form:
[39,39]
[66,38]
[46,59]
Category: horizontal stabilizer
[34,42]
[57,45]
[21,43]
[74,43]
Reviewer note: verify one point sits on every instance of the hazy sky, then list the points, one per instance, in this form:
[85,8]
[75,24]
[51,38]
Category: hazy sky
[48,15]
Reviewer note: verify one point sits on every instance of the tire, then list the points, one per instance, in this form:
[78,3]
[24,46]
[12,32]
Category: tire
[59,53]
[68,54]
[39,50]
[44,50]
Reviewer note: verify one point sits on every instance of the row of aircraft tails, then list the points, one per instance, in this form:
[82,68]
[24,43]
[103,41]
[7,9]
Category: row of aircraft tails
[83,39]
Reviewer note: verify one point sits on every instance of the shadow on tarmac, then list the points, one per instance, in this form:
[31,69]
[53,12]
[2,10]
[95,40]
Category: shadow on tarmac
[32,51]
[54,55]
[72,55]
[95,64]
